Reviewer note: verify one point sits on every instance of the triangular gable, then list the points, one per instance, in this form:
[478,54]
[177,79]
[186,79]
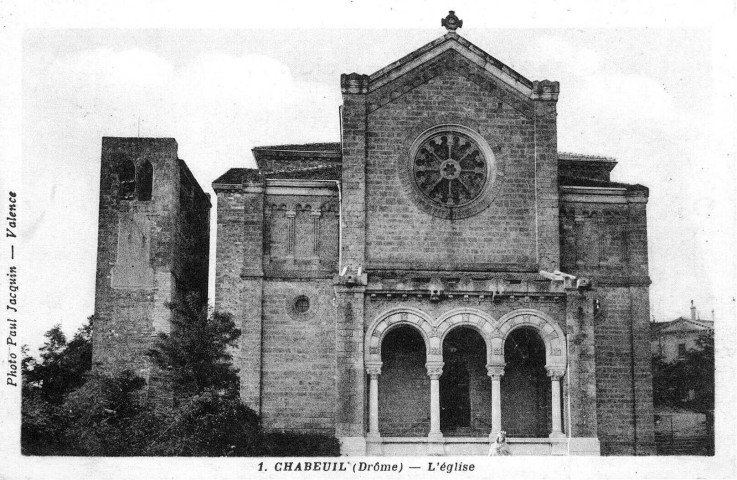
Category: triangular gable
[684,325]
[451,41]
[450,52]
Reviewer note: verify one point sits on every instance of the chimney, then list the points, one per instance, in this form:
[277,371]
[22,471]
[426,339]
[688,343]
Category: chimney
[693,311]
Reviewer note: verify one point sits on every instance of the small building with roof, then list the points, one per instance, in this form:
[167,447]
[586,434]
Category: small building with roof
[672,339]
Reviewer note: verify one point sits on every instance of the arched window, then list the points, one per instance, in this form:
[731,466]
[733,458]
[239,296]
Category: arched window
[127,180]
[145,180]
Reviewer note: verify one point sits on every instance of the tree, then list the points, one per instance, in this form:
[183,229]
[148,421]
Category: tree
[687,382]
[197,352]
[63,365]
[62,368]
[700,368]
[105,414]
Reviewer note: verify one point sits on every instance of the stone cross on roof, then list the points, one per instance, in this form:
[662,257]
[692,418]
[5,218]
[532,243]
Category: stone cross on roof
[451,22]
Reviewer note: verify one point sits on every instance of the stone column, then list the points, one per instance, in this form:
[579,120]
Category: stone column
[291,214]
[495,372]
[435,370]
[316,214]
[374,371]
[555,375]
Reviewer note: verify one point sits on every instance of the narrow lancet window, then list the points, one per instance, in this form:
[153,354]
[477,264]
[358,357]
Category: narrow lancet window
[127,179]
[145,180]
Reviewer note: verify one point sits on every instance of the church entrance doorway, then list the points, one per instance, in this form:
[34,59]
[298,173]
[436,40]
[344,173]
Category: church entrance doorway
[465,392]
[526,410]
[404,387]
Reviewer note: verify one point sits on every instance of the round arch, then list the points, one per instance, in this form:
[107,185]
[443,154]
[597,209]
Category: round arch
[552,335]
[466,317]
[389,320]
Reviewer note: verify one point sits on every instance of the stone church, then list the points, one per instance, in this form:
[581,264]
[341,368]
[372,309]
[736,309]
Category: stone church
[440,274]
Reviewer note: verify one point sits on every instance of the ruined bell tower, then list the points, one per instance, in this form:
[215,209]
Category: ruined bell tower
[152,248]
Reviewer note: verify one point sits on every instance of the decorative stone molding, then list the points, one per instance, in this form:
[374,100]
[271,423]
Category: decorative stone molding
[354,83]
[434,369]
[545,90]
[352,277]
[451,171]
[391,319]
[551,333]
[467,317]
[555,372]
[451,22]
[495,371]
[494,333]
[374,368]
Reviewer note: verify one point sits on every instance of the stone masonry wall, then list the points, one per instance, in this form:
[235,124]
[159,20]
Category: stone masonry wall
[624,407]
[608,244]
[130,302]
[399,233]
[238,280]
[256,250]
[298,356]
[350,374]
[191,265]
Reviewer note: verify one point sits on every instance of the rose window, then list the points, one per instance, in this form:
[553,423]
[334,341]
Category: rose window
[450,169]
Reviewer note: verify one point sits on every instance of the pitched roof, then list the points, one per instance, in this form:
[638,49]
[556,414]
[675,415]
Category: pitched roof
[567,181]
[450,40]
[301,147]
[656,327]
[318,172]
[239,176]
[580,157]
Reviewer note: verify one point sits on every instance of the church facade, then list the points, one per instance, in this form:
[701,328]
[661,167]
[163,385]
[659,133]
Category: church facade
[439,275]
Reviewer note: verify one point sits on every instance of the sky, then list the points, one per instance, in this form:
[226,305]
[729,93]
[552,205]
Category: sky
[644,94]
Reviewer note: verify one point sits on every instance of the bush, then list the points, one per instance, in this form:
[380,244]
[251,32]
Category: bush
[207,424]
[42,426]
[67,410]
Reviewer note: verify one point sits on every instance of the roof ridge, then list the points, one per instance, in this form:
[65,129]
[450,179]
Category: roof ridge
[293,147]
[302,169]
[574,156]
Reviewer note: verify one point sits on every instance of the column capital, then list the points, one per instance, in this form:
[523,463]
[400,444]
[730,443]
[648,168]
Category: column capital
[434,369]
[374,368]
[556,372]
[291,213]
[316,213]
[496,370]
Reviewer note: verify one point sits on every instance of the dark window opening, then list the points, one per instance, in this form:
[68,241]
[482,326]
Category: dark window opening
[127,180]
[681,350]
[145,181]
[302,304]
